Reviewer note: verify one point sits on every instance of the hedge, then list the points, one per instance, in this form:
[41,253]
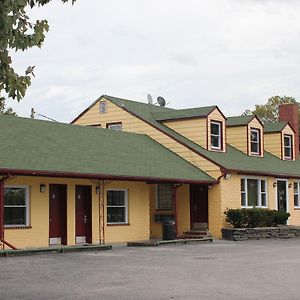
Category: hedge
[255,217]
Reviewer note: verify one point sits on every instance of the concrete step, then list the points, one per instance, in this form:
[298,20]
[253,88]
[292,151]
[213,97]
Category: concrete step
[196,234]
[193,232]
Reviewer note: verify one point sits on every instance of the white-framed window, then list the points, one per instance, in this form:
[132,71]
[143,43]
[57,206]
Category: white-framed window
[255,141]
[102,107]
[288,146]
[216,135]
[296,194]
[114,126]
[16,205]
[117,206]
[253,192]
[164,196]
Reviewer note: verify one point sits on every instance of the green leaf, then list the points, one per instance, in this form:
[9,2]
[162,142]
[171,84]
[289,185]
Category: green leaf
[17,32]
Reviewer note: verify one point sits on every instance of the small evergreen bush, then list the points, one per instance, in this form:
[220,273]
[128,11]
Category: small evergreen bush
[255,217]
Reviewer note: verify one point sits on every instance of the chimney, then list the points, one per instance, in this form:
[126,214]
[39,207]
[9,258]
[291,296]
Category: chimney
[289,112]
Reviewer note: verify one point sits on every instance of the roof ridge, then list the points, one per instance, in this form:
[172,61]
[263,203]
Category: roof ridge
[67,125]
[137,102]
[242,116]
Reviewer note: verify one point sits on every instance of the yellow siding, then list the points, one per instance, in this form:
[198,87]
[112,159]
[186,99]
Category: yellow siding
[155,228]
[215,115]
[288,130]
[272,143]
[138,214]
[183,208]
[237,137]
[133,124]
[222,196]
[193,129]
[38,234]
[272,193]
[255,124]
[294,219]
[215,214]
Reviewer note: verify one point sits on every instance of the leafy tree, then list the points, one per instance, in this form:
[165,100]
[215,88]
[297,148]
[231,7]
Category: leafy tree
[4,110]
[17,32]
[269,112]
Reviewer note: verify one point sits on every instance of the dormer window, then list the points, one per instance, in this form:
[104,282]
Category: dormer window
[102,107]
[114,126]
[255,141]
[288,146]
[216,135]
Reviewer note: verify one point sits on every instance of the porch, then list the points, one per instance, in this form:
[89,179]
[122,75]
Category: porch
[186,205]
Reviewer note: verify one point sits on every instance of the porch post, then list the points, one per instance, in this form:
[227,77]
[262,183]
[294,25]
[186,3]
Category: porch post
[175,187]
[101,212]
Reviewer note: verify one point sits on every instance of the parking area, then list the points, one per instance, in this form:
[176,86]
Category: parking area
[219,270]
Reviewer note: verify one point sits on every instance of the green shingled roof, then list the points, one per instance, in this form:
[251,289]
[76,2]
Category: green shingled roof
[239,120]
[274,127]
[55,147]
[184,113]
[232,159]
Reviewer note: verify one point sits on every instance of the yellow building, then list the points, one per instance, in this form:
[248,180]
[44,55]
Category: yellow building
[134,165]
[67,184]
[235,151]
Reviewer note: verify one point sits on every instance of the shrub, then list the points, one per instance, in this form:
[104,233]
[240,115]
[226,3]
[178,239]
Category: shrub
[235,217]
[280,217]
[255,217]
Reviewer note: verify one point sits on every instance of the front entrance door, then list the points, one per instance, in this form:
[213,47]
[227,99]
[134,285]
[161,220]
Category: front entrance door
[282,195]
[57,214]
[199,206]
[83,204]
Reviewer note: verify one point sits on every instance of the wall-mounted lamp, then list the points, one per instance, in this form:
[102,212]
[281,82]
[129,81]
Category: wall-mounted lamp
[42,188]
[274,184]
[210,187]
[290,185]
[227,175]
[97,190]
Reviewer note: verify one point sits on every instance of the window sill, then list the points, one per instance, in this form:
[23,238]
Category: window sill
[17,227]
[216,149]
[297,208]
[250,207]
[256,155]
[118,224]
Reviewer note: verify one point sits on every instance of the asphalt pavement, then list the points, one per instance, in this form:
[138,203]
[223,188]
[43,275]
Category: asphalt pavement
[266,269]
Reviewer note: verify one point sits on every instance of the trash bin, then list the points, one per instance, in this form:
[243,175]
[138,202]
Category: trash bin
[168,230]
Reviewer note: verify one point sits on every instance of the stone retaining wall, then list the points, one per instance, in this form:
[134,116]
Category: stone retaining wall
[242,234]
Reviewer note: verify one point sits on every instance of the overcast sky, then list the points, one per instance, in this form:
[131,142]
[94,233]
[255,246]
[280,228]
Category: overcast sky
[232,53]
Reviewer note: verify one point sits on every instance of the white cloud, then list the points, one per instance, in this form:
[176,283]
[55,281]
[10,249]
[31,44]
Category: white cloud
[231,53]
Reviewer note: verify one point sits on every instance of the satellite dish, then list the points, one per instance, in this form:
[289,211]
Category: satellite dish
[150,99]
[161,101]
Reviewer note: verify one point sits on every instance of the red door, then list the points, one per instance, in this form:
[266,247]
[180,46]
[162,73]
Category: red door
[57,214]
[198,206]
[83,204]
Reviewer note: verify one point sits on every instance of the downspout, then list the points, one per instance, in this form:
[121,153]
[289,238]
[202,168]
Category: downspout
[2,239]
[223,173]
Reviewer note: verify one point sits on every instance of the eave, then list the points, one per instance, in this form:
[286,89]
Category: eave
[99,176]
